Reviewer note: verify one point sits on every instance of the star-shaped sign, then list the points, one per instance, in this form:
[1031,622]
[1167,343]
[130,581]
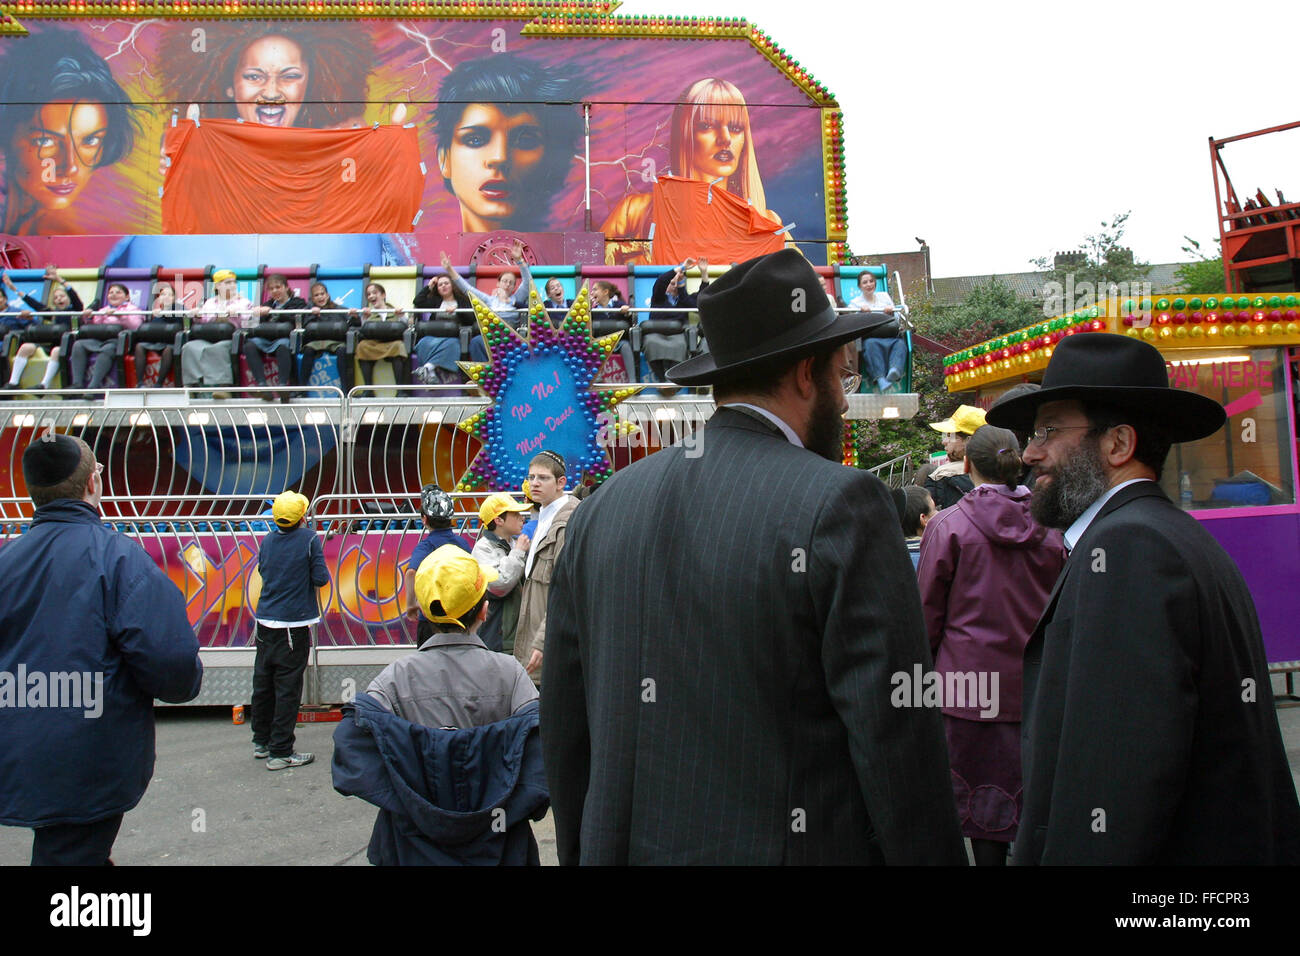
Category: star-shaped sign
[541,386]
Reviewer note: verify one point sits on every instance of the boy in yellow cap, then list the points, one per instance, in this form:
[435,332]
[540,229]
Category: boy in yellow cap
[453,680]
[949,482]
[502,546]
[292,565]
[445,741]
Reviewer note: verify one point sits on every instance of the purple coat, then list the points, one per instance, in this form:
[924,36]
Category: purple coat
[985,574]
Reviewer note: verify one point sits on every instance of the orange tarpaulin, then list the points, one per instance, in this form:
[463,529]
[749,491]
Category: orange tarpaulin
[727,229]
[231,177]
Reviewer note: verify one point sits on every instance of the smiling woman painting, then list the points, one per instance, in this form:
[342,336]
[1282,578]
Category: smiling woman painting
[285,74]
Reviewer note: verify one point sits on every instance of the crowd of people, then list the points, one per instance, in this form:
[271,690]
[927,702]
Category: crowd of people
[440,323]
[1054,672]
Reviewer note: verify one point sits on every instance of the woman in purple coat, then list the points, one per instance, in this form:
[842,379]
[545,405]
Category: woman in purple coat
[985,573]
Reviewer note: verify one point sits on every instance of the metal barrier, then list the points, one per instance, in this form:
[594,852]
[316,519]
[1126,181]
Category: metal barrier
[895,472]
[189,478]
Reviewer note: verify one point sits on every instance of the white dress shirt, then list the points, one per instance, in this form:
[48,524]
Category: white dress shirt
[544,519]
[1076,530]
[785,429]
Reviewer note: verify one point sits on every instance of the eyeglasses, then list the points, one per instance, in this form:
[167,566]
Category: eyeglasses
[1041,435]
[850,380]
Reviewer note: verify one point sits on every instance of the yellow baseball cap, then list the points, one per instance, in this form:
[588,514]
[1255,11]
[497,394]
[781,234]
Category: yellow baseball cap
[453,578]
[221,275]
[965,420]
[288,508]
[498,504]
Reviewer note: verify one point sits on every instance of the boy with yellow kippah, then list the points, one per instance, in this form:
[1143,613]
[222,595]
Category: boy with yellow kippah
[445,741]
[292,565]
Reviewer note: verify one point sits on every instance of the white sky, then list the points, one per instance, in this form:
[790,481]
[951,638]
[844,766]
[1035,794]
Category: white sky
[1002,131]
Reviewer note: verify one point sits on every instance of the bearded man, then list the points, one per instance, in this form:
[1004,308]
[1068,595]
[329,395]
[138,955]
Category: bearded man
[727,622]
[1149,734]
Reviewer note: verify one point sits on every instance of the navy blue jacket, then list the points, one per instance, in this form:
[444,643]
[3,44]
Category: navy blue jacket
[292,566]
[440,792]
[432,542]
[82,599]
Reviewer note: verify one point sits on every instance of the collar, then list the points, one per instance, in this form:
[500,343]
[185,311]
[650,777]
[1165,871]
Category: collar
[549,511]
[1076,530]
[786,430]
[66,509]
[449,640]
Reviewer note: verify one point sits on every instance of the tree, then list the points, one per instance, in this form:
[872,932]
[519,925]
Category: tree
[1203,274]
[1076,280]
[991,309]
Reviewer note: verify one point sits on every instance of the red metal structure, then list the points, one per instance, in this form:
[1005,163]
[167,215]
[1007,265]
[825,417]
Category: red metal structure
[1260,239]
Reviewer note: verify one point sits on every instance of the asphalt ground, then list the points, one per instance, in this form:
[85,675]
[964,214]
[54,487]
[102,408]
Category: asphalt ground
[211,803]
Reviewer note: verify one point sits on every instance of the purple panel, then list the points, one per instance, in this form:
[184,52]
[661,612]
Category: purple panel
[1267,550]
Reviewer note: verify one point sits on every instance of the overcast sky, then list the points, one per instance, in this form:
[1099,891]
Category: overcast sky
[1001,131]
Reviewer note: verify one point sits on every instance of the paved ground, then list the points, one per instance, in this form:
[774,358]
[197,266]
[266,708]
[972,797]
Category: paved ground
[251,816]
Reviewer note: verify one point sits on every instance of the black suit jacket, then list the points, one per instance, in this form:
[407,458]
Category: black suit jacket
[722,630]
[1149,734]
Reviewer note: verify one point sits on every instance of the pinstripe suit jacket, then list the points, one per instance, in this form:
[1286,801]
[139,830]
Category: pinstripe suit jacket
[721,634]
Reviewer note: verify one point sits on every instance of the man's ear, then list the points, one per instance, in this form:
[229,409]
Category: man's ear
[1119,445]
[802,376]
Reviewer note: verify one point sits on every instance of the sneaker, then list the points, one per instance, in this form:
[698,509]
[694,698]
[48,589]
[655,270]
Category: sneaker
[261,751]
[894,375]
[220,396]
[289,762]
[426,374]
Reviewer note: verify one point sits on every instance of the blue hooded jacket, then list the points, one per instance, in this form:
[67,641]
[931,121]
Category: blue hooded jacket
[91,631]
[445,797]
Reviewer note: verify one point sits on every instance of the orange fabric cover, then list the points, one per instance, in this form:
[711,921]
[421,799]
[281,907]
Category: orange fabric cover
[725,230]
[230,177]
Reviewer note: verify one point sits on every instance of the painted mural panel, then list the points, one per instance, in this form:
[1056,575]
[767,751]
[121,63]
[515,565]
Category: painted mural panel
[152,126]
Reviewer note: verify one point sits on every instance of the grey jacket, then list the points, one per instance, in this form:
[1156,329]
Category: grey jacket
[453,680]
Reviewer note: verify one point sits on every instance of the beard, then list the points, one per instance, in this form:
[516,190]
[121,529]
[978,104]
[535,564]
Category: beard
[826,426]
[1073,487]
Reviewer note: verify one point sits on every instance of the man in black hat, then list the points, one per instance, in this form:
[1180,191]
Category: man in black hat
[91,631]
[1149,731]
[727,622]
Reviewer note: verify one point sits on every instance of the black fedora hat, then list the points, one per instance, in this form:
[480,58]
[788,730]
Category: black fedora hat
[770,307]
[1120,371]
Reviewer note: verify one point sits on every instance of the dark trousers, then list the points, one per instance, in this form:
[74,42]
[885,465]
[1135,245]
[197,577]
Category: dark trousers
[277,685]
[283,359]
[76,844]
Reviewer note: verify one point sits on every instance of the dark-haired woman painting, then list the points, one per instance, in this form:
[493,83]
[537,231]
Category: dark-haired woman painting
[286,74]
[62,118]
[507,129]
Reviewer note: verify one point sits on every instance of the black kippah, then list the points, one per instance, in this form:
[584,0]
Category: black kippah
[50,459]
